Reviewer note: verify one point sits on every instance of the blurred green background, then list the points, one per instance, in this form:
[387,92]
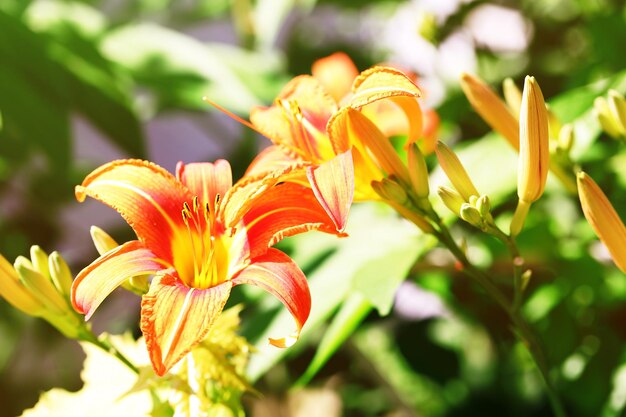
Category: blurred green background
[85,82]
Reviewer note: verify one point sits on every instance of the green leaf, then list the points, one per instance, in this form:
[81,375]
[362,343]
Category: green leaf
[350,315]
[71,75]
[373,229]
[178,68]
[378,279]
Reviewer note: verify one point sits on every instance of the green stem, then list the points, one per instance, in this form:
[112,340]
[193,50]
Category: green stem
[87,336]
[525,333]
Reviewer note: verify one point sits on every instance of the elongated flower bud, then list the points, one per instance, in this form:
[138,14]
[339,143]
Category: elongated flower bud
[39,259]
[471,215]
[603,218]
[451,199]
[102,240]
[390,190]
[617,105]
[534,156]
[491,108]
[40,286]
[60,274]
[605,117]
[12,290]
[453,168]
[418,171]
[512,96]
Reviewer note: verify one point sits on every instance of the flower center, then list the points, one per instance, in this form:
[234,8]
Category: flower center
[201,256]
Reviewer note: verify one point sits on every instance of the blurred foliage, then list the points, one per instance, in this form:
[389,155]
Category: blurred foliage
[119,65]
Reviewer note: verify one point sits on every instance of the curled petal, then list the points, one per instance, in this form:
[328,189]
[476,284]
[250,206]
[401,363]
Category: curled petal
[333,185]
[283,210]
[147,196]
[277,274]
[94,283]
[206,180]
[379,83]
[175,318]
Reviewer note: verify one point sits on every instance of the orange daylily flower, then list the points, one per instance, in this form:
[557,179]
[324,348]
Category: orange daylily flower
[316,118]
[199,236]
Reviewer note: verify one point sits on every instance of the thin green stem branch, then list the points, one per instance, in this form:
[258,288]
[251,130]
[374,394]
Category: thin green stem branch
[106,345]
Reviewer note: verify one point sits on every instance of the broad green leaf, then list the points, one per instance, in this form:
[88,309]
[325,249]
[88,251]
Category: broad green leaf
[71,75]
[378,279]
[179,69]
[350,315]
[374,230]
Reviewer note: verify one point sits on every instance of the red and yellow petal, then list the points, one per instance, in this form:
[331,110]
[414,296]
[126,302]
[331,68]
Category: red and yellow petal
[380,83]
[206,180]
[94,283]
[333,186]
[277,274]
[175,318]
[283,210]
[336,73]
[148,197]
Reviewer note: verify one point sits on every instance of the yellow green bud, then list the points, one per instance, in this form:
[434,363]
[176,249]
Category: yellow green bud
[13,290]
[566,138]
[451,199]
[418,171]
[39,259]
[453,168]
[605,117]
[40,286]
[483,205]
[512,96]
[471,215]
[390,190]
[102,241]
[60,274]
[617,106]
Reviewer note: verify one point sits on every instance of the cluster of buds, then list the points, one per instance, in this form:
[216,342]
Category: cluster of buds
[408,195]
[611,114]
[464,200]
[505,117]
[40,287]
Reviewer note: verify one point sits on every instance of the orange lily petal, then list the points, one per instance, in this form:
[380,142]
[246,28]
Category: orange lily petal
[336,73]
[94,283]
[175,318]
[333,185]
[284,210]
[379,83]
[206,180]
[273,158]
[276,273]
[147,196]
[297,121]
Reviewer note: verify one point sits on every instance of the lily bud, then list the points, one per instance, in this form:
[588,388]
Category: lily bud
[418,171]
[617,105]
[605,117]
[453,168]
[566,138]
[102,240]
[39,260]
[603,218]
[60,274]
[483,205]
[512,96]
[451,199]
[491,108]
[12,290]
[390,190]
[471,215]
[534,153]
[40,286]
